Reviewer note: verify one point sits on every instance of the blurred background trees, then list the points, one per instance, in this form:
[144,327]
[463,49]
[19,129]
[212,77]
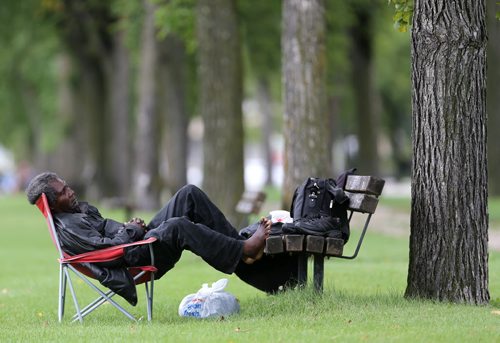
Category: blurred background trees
[307,148]
[136,98]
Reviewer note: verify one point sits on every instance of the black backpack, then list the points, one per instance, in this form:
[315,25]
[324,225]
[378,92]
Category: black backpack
[322,196]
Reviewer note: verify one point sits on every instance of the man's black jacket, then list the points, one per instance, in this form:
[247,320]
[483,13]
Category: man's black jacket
[88,231]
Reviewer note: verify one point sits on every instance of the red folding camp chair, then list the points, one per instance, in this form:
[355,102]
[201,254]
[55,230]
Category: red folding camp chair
[67,263]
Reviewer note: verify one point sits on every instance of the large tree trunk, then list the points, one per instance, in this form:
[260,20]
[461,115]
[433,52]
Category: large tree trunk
[172,90]
[449,220]
[119,144]
[68,159]
[362,81]
[95,119]
[220,79]
[306,129]
[146,154]
[267,120]
[493,100]
[84,28]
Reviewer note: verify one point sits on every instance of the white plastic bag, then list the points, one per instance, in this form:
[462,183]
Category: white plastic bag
[209,302]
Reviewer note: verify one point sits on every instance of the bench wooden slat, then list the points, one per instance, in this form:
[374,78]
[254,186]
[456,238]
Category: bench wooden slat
[360,202]
[274,245]
[294,242]
[364,184]
[334,246]
[315,244]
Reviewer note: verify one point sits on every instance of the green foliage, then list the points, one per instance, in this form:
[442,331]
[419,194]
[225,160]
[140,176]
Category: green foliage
[339,19]
[129,16]
[260,27]
[261,32]
[392,68]
[27,74]
[403,14]
[177,17]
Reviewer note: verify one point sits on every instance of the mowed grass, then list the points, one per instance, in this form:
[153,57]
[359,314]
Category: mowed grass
[362,301]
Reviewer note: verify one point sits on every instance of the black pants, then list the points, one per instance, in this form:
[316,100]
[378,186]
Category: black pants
[191,221]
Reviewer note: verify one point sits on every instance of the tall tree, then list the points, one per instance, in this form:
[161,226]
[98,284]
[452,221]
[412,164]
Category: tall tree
[220,97]
[392,65]
[119,146]
[173,109]
[261,39]
[449,220]
[493,100]
[30,121]
[146,176]
[339,19]
[99,87]
[84,29]
[307,152]
[362,41]
[64,159]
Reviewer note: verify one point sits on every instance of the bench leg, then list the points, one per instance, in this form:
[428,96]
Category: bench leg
[318,272]
[302,272]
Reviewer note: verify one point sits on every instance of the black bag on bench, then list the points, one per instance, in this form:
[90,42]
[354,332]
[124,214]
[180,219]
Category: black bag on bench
[319,207]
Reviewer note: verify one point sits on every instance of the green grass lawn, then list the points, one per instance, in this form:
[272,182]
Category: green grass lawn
[362,301]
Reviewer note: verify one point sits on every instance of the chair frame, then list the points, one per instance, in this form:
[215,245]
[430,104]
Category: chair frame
[67,263]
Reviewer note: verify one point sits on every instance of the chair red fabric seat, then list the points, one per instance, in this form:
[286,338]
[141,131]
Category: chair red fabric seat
[67,264]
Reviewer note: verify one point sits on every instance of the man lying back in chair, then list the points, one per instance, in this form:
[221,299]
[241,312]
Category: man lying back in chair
[189,221]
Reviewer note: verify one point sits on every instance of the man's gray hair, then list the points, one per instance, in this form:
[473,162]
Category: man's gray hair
[41,184]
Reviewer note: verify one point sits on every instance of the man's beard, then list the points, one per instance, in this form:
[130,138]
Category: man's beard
[75,206]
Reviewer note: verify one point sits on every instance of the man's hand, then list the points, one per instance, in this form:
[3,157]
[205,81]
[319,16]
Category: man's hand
[136,229]
[137,221]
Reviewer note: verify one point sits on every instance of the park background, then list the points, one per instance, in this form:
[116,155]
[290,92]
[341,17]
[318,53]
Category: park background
[131,99]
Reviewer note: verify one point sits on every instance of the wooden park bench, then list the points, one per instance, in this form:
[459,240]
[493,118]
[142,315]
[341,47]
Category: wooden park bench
[363,193]
[250,204]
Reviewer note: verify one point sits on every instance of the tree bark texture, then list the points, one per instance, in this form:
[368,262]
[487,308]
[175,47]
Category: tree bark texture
[265,104]
[119,144]
[220,97]
[362,81]
[173,111]
[449,220]
[146,154]
[493,98]
[84,28]
[68,159]
[306,129]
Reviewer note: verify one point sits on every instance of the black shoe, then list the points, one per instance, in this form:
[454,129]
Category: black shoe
[318,226]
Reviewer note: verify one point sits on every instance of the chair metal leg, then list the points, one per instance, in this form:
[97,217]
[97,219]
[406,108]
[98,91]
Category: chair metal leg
[75,301]
[102,294]
[149,296]
[93,305]
[65,279]
[62,293]
[100,300]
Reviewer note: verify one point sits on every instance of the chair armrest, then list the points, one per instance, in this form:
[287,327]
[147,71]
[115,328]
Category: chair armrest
[106,254]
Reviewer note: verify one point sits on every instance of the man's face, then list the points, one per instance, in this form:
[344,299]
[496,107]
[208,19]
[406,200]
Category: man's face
[65,197]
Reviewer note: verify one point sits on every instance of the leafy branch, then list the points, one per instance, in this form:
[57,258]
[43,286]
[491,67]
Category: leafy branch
[403,14]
